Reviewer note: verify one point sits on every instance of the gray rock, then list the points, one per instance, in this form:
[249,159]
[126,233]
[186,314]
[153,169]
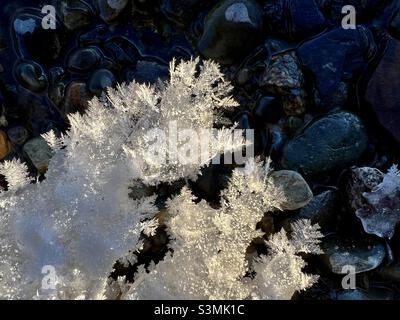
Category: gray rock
[38,151]
[363,254]
[295,189]
[334,141]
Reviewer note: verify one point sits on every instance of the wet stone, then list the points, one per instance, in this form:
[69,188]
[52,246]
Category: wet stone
[76,98]
[100,80]
[332,142]
[379,293]
[383,92]
[111,9]
[322,209]
[294,19]
[39,153]
[4,145]
[296,191]
[268,110]
[84,59]
[363,254]
[76,14]
[231,30]
[17,134]
[34,42]
[31,76]
[333,59]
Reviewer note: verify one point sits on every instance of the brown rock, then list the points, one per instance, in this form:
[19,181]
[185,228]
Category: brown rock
[4,145]
[76,99]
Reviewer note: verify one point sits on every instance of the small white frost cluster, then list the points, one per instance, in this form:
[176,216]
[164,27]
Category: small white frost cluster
[80,219]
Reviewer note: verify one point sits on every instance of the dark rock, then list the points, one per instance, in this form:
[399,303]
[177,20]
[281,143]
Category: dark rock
[390,272]
[383,92]
[147,72]
[180,11]
[100,80]
[232,29]
[17,134]
[331,142]
[246,121]
[76,14]
[333,60]
[394,27]
[362,294]
[111,9]
[362,254]
[31,76]
[284,77]
[35,42]
[268,110]
[322,209]
[76,98]
[294,18]
[84,59]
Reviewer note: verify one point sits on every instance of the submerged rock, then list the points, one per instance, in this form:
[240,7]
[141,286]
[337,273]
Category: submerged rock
[362,254]
[231,30]
[293,18]
[334,59]
[322,209]
[31,76]
[84,59]
[100,80]
[76,14]
[111,9]
[334,141]
[383,89]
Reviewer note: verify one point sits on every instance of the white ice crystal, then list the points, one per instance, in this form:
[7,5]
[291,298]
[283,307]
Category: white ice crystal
[208,258]
[80,219]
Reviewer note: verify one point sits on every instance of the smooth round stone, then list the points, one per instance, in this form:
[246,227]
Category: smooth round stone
[17,134]
[76,98]
[4,145]
[363,254]
[333,142]
[35,42]
[84,59]
[100,80]
[322,209]
[76,15]
[296,191]
[31,76]
[111,9]
[231,30]
[39,153]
